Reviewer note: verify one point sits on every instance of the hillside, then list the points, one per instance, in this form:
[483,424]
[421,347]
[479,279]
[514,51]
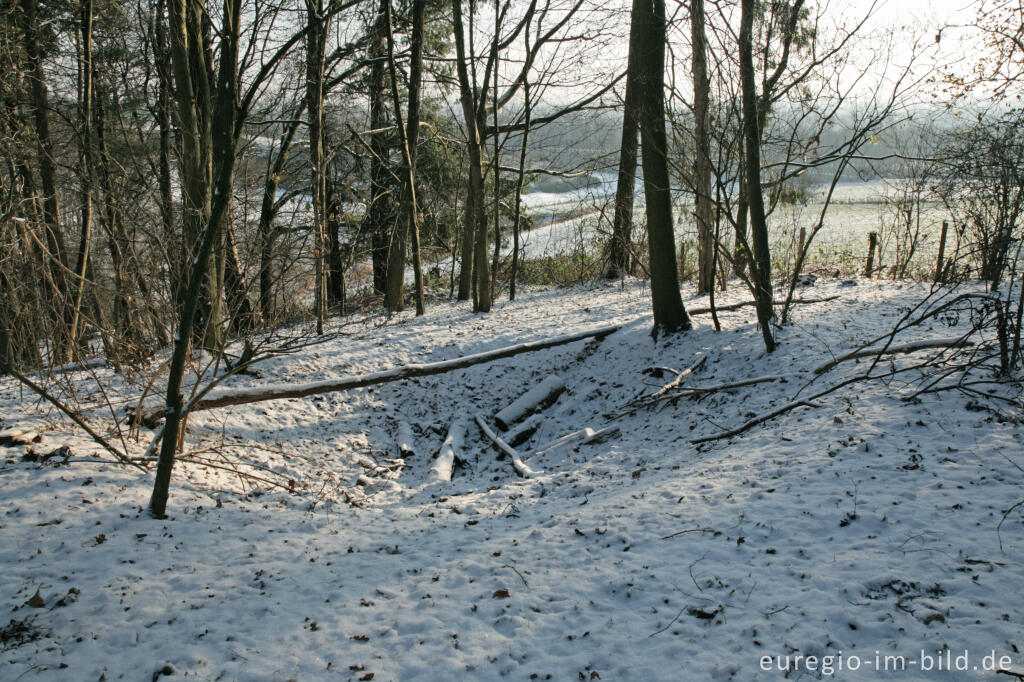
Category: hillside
[864,530]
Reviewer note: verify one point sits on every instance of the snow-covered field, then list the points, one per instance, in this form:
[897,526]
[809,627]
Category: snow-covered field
[861,532]
[856,209]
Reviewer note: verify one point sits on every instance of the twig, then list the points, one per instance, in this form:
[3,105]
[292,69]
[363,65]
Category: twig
[670,624]
[689,530]
[525,584]
[1000,526]
[755,421]
[689,391]
[679,377]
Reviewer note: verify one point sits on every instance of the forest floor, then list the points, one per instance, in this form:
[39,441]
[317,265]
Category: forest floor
[865,532]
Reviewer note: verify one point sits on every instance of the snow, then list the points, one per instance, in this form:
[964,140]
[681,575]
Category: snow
[862,528]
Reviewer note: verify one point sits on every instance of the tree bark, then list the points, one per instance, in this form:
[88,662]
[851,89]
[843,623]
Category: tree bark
[377,214]
[407,221]
[761,264]
[648,75]
[266,229]
[87,178]
[172,240]
[625,188]
[475,269]
[706,247]
[316,37]
[520,178]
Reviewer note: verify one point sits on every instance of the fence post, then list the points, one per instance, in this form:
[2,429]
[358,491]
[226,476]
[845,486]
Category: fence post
[872,244]
[942,252]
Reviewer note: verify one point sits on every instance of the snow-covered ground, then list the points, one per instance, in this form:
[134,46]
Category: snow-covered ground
[861,532]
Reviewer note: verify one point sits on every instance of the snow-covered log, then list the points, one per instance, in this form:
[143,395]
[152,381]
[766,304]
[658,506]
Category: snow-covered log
[536,399]
[523,431]
[18,436]
[517,463]
[244,396]
[450,449]
[587,435]
[404,441]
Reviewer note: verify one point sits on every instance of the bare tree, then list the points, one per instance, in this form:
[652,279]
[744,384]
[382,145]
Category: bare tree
[647,72]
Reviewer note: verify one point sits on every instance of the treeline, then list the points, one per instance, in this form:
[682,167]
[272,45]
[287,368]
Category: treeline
[192,170]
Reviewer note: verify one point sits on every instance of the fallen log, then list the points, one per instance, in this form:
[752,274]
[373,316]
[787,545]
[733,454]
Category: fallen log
[404,440]
[744,304]
[517,463]
[18,436]
[523,431]
[449,452]
[244,396]
[586,435]
[536,399]
[913,347]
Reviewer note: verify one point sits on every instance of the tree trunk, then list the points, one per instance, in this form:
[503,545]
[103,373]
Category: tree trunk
[117,242]
[87,178]
[195,102]
[407,221]
[706,246]
[377,214]
[58,262]
[335,257]
[172,241]
[243,316]
[648,75]
[316,37]
[761,264]
[246,396]
[474,249]
[266,228]
[741,251]
[625,189]
[412,136]
[495,165]
[517,214]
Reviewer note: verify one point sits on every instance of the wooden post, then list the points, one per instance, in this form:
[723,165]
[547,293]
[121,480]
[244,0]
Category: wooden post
[872,245]
[942,252]
[797,262]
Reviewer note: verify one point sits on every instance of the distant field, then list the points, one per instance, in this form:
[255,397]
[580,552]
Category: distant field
[857,208]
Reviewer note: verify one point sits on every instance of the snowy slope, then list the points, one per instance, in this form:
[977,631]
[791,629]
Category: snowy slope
[859,529]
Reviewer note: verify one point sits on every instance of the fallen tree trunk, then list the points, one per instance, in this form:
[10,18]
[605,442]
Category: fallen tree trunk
[445,461]
[513,455]
[744,304]
[536,399]
[244,396]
